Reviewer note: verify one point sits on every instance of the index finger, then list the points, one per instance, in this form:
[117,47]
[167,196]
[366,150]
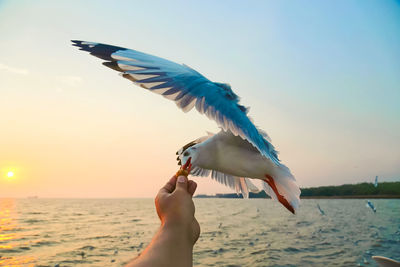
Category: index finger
[192,185]
[169,187]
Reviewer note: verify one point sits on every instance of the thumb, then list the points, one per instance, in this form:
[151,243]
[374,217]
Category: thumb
[182,183]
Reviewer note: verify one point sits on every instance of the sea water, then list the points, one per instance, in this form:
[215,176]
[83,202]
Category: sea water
[234,232]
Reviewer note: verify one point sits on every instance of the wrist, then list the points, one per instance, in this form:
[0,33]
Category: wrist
[180,232]
[169,247]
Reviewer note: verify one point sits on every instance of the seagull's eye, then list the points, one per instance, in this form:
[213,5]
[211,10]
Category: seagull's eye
[186,154]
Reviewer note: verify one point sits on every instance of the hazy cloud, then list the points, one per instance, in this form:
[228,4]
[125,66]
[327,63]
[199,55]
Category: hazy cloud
[13,70]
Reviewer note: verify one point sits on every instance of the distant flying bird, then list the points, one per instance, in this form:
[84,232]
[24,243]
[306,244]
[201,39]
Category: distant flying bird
[320,210]
[376,181]
[370,205]
[238,152]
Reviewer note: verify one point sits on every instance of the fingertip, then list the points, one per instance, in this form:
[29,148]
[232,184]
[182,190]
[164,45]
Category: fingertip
[181,183]
[182,179]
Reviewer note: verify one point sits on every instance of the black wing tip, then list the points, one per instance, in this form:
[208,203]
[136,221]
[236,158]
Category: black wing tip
[78,43]
[99,50]
[83,45]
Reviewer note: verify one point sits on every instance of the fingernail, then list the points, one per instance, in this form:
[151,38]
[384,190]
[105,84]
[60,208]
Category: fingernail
[181,179]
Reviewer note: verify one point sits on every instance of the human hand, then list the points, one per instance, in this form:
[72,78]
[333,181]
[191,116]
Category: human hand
[173,243]
[175,208]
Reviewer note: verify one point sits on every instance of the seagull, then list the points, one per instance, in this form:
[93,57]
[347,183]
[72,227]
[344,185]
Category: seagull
[320,210]
[370,205]
[239,153]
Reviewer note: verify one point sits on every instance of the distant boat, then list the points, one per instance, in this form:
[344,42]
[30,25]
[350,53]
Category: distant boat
[370,205]
[320,210]
[385,262]
[376,181]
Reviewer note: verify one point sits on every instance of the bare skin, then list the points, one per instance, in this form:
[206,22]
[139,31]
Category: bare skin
[173,244]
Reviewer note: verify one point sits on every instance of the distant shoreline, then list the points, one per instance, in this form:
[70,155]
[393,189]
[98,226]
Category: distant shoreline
[385,190]
[352,197]
[316,197]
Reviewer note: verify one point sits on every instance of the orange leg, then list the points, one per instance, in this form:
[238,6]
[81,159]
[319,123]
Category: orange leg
[270,181]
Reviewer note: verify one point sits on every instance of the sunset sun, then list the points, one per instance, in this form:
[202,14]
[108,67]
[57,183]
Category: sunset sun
[10,174]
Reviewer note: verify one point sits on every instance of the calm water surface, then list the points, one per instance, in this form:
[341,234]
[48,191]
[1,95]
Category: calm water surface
[235,232]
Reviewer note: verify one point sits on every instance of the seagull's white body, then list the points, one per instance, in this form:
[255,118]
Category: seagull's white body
[238,153]
[232,155]
[232,161]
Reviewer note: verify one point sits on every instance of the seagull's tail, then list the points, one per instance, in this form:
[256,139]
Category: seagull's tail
[281,186]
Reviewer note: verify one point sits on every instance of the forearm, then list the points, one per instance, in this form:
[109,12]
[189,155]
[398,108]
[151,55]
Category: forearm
[171,246]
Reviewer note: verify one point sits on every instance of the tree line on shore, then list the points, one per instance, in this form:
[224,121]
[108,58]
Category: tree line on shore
[384,189]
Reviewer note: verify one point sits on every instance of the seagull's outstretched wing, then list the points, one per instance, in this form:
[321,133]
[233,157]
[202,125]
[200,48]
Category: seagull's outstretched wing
[186,87]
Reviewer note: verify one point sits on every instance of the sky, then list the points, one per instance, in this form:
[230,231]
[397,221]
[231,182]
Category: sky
[322,78]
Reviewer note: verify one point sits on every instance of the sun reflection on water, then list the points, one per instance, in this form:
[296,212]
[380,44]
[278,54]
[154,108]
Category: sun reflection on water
[8,238]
